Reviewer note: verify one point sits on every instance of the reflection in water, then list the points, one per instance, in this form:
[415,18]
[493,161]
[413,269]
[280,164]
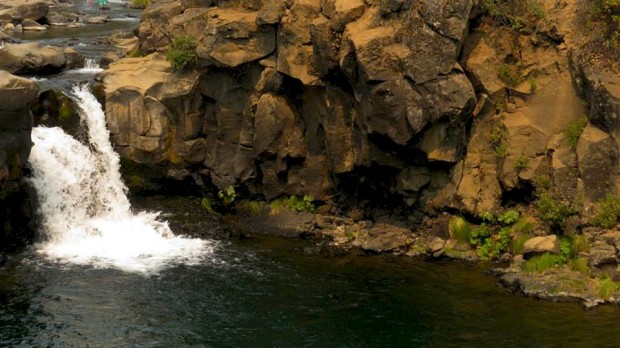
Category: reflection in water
[266,293]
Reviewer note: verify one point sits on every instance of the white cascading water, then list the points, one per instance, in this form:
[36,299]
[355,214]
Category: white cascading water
[86,216]
[90,66]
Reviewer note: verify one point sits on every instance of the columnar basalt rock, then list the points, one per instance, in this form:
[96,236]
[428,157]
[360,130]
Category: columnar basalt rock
[295,94]
[16,96]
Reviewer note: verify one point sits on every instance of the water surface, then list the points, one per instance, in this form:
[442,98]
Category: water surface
[267,293]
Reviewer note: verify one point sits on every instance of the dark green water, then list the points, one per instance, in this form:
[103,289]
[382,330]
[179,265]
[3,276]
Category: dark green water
[266,293]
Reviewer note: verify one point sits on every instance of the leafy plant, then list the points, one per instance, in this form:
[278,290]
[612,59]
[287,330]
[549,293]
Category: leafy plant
[521,163]
[607,212]
[459,229]
[305,203]
[541,263]
[574,130]
[227,196]
[487,217]
[182,52]
[607,287]
[509,217]
[565,249]
[488,245]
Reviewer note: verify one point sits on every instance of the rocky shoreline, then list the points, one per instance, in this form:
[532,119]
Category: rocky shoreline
[469,130]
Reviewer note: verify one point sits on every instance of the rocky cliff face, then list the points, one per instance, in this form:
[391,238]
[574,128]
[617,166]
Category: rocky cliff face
[16,96]
[420,104]
[300,97]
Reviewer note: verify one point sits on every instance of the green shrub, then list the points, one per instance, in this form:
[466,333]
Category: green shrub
[182,52]
[521,163]
[553,211]
[511,75]
[541,263]
[607,212]
[459,229]
[607,287]
[574,130]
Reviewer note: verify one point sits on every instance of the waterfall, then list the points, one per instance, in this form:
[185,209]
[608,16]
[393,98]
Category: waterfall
[86,216]
[90,66]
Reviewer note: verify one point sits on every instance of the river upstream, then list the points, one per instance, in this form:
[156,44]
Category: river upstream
[108,276]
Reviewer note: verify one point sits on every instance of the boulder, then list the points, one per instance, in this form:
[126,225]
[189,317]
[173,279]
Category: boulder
[16,93]
[31,58]
[602,255]
[540,245]
[27,9]
[597,155]
[30,25]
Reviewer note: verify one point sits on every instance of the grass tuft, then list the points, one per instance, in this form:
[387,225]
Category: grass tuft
[517,243]
[460,229]
[607,287]
[541,263]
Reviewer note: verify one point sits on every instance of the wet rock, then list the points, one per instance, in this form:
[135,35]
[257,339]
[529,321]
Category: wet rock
[30,25]
[98,20]
[540,245]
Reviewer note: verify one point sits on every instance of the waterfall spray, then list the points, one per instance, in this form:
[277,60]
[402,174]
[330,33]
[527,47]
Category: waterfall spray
[86,216]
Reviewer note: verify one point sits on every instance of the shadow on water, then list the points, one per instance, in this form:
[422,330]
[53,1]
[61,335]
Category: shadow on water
[266,292]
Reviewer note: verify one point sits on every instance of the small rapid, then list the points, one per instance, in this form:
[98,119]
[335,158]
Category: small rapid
[85,214]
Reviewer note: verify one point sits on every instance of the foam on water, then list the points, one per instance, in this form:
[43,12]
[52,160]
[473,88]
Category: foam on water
[90,67]
[86,216]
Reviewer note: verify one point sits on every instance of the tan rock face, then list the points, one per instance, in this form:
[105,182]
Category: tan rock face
[31,58]
[296,92]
